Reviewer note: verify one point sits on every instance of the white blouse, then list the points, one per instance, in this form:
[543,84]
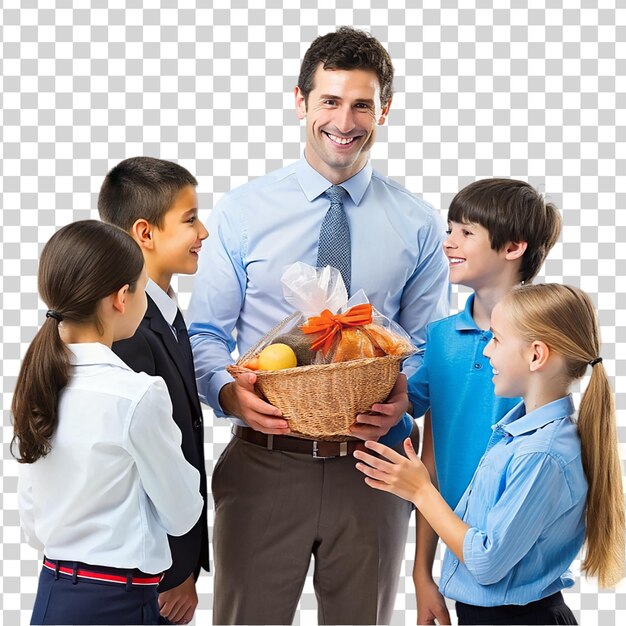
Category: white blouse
[115,483]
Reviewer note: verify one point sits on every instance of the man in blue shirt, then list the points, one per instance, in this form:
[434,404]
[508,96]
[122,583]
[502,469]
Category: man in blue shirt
[276,504]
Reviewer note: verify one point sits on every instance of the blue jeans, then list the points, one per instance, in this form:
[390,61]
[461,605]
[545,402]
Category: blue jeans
[62,600]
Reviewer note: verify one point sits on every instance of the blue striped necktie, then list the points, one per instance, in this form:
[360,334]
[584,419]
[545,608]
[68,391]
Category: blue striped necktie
[334,241]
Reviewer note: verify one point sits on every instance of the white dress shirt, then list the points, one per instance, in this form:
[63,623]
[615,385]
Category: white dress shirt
[115,482]
[264,226]
[165,301]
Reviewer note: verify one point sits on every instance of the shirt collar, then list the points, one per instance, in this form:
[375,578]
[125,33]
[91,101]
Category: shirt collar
[313,184]
[94,354]
[518,422]
[165,302]
[465,321]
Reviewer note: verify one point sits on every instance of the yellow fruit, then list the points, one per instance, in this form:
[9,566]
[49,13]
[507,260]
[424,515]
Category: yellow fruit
[277,356]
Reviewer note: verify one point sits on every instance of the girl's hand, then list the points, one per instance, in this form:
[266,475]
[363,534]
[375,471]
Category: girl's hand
[409,479]
[402,476]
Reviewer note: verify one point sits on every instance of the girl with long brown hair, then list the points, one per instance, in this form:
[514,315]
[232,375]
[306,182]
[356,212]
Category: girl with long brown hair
[102,476]
[548,482]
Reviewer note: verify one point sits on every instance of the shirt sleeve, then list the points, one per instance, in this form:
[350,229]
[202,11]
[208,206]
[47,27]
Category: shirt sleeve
[216,302]
[536,493]
[418,384]
[26,506]
[426,296]
[154,440]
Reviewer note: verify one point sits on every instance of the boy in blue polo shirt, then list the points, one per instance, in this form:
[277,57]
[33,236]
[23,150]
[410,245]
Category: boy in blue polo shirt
[499,234]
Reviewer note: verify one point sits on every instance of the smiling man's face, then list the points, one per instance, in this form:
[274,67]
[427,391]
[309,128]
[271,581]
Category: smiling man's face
[341,113]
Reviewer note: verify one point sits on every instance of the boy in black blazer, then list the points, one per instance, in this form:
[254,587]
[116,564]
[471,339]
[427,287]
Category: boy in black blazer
[155,201]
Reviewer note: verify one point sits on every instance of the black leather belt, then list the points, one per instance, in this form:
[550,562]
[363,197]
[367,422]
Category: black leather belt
[285,443]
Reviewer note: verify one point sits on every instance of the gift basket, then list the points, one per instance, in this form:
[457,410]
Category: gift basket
[330,360]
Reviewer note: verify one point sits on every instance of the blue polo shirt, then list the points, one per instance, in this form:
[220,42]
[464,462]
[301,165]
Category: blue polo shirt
[526,510]
[455,383]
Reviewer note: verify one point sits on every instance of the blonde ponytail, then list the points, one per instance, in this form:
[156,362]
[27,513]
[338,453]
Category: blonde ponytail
[565,319]
[605,501]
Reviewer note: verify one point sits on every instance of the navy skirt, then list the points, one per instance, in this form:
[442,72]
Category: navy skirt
[550,610]
[70,599]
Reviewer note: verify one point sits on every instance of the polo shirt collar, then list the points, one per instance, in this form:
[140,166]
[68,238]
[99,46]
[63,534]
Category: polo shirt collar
[313,184]
[518,422]
[165,301]
[94,354]
[464,320]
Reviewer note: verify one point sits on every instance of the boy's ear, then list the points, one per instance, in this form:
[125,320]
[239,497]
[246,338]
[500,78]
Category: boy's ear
[141,232]
[515,249]
[539,353]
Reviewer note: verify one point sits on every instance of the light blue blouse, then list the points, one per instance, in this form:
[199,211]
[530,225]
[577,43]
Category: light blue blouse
[525,506]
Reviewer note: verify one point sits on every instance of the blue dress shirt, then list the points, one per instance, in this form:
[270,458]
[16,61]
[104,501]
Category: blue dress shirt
[525,506]
[257,230]
[455,383]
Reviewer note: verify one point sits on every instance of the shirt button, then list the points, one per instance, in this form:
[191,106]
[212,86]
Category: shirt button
[483,338]
[478,366]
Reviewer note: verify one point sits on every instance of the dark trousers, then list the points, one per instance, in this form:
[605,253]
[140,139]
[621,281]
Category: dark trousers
[62,600]
[550,610]
[274,511]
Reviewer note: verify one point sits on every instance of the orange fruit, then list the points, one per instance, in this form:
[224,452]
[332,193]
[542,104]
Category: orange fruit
[252,364]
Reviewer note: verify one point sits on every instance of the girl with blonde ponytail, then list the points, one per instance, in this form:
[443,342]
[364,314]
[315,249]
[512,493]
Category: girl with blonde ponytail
[549,481]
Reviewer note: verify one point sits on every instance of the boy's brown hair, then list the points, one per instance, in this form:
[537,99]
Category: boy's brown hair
[141,188]
[511,210]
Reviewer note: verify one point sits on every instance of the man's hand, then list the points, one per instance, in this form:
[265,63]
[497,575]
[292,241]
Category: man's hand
[239,398]
[383,416]
[431,605]
[179,603]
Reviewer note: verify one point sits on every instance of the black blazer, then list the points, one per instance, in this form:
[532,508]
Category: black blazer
[154,350]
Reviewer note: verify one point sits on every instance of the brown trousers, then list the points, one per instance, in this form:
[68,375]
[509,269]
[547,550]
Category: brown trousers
[274,510]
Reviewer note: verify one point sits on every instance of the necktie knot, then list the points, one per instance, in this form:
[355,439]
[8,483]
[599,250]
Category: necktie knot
[335,194]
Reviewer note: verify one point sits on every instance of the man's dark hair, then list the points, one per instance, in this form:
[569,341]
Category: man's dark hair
[347,49]
[141,188]
[511,210]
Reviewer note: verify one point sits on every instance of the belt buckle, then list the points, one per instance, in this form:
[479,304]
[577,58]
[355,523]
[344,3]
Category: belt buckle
[343,451]
[315,451]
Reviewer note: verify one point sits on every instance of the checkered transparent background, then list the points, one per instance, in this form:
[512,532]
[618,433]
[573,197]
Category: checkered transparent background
[535,92]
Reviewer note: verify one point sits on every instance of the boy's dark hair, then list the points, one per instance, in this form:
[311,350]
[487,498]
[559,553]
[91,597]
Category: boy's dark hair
[511,210]
[141,188]
[82,263]
[347,49]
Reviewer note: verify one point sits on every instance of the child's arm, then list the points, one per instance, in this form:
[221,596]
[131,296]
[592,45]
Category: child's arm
[26,506]
[430,603]
[154,442]
[409,479]
[536,494]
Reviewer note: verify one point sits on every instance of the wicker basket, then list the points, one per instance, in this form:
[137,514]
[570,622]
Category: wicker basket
[322,401]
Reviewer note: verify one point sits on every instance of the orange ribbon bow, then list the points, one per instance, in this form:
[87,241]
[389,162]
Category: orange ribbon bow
[330,324]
